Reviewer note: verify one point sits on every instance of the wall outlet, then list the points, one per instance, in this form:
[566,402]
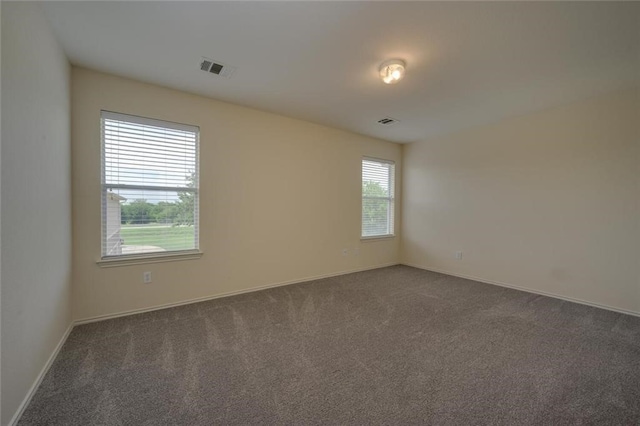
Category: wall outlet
[459,255]
[146,277]
[345,252]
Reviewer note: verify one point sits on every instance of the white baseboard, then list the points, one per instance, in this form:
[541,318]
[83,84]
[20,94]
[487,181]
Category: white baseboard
[43,372]
[528,290]
[227,294]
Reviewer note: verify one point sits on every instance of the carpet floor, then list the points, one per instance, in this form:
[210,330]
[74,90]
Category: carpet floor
[392,346]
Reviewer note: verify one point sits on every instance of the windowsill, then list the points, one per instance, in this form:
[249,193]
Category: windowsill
[377,237]
[140,259]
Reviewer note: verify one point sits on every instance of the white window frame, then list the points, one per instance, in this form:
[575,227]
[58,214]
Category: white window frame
[390,199]
[171,255]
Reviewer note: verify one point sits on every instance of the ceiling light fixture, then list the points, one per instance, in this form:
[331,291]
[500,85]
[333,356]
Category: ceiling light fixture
[392,71]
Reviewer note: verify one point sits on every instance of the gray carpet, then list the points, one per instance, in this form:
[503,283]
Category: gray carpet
[392,346]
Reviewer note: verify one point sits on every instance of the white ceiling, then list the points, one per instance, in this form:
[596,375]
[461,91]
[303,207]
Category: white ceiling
[467,63]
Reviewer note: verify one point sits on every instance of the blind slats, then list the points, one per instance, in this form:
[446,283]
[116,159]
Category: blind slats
[149,185]
[150,148]
[148,142]
[378,187]
[153,134]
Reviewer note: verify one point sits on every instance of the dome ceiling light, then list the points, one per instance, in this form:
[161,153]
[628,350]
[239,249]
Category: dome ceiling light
[392,71]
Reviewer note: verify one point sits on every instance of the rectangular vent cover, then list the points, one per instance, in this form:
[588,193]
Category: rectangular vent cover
[387,121]
[208,65]
[205,65]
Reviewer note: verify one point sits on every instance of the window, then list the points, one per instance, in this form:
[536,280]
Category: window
[378,178]
[149,186]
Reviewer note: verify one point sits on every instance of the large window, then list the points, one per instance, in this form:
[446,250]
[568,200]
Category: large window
[378,178]
[149,186]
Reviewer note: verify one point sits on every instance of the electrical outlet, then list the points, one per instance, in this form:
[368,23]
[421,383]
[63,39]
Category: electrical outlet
[146,277]
[345,252]
[459,255]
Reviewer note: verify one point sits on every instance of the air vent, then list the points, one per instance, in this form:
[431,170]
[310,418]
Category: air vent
[387,121]
[210,66]
[205,65]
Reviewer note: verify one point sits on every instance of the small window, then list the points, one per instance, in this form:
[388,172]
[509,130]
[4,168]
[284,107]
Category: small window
[149,186]
[378,181]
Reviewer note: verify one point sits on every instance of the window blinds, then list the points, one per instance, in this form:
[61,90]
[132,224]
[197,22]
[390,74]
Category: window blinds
[378,183]
[149,185]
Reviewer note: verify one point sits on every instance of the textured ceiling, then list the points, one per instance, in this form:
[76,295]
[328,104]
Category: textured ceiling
[467,63]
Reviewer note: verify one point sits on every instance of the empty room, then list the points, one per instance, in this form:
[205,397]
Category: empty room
[292,213]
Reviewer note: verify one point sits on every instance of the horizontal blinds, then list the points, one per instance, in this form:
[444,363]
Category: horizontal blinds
[378,188]
[150,122]
[150,185]
[140,152]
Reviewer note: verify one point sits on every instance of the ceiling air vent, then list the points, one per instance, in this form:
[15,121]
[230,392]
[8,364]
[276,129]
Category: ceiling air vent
[208,65]
[387,121]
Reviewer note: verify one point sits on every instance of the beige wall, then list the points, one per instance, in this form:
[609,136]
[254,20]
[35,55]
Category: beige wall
[36,200]
[280,199]
[548,202]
